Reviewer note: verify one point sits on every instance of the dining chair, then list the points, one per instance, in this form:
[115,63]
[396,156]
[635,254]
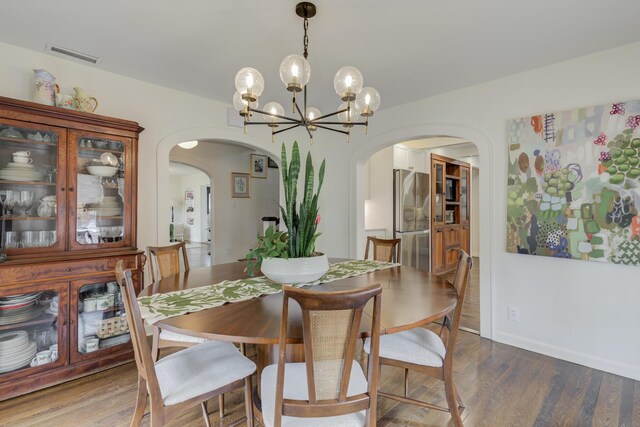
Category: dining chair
[329,388]
[185,378]
[387,250]
[166,261]
[424,351]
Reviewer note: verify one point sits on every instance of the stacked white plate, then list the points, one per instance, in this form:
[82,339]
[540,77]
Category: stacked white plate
[20,172]
[19,308]
[16,350]
[110,206]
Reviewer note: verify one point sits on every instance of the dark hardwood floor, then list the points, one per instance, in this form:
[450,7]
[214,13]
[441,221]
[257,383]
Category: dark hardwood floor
[500,386]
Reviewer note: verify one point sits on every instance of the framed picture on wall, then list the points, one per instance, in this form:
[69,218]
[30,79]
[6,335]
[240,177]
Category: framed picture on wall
[188,195]
[239,184]
[272,163]
[258,166]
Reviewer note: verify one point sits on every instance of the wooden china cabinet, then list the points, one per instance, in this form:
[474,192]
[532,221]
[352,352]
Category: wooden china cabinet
[450,215]
[68,182]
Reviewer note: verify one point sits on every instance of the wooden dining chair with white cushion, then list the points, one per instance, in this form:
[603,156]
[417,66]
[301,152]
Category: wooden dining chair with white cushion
[424,351]
[386,250]
[186,378]
[164,261]
[329,388]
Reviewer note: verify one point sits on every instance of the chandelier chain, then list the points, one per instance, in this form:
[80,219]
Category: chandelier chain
[305,39]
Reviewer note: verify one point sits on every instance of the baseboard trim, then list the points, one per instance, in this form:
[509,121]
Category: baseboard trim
[613,367]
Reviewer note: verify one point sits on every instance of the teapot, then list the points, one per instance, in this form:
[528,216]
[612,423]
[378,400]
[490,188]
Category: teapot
[83,101]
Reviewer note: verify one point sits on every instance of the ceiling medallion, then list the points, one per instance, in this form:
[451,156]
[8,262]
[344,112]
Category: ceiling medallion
[295,72]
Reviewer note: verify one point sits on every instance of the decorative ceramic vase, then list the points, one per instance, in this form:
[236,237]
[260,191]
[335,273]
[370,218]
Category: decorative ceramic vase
[295,270]
[65,101]
[83,101]
[45,88]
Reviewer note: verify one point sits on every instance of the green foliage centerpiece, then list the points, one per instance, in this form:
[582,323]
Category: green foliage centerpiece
[289,256]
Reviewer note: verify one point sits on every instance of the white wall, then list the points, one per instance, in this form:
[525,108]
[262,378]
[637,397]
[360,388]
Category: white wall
[584,312]
[580,311]
[380,202]
[235,222]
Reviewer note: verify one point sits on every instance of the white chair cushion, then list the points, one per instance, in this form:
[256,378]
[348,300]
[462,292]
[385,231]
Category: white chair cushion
[200,369]
[295,387]
[174,336]
[418,346]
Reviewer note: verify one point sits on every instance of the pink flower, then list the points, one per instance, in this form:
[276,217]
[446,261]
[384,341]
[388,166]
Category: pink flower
[318,218]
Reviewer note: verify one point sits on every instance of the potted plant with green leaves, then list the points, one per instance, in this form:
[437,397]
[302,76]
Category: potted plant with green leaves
[289,256]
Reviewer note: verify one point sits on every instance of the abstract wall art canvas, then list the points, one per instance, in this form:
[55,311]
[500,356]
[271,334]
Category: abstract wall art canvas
[574,184]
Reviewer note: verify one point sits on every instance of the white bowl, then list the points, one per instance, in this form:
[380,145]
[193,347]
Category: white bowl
[295,270]
[102,170]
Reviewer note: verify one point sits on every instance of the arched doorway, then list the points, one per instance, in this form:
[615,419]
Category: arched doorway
[220,187]
[358,191]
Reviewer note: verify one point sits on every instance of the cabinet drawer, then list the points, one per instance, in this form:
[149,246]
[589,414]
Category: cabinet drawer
[59,270]
[451,236]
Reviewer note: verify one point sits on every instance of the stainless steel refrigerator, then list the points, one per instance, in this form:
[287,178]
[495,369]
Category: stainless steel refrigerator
[411,222]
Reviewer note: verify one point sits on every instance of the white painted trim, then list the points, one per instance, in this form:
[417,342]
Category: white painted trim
[357,194]
[607,365]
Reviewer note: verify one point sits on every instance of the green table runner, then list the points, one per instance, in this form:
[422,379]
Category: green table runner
[163,306]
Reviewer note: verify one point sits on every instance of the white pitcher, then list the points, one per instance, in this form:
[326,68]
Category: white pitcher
[45,87]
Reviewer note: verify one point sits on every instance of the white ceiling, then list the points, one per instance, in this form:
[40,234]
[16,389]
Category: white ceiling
[179,169]
[407,49]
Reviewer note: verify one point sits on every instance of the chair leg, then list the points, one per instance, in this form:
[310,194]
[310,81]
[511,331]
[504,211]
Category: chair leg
[141,402]
[406,382]
[205,414]
[450,393]
[155,350]
[248,400]
[221,405]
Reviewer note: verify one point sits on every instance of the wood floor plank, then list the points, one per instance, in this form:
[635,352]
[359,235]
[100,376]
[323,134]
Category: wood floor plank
[626,403]
[607,409]
[500,386]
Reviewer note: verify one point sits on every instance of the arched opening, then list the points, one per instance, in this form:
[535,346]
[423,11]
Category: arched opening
[190,211]
[235,221]
[359,192]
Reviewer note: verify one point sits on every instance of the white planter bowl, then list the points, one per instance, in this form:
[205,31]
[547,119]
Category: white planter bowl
[295,270]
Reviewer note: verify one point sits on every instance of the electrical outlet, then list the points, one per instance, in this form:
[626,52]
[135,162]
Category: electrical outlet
[513,313]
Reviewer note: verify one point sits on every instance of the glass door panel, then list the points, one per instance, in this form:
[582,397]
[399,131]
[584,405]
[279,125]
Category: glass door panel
[101,320]
[438,192]
[464,195]
[102,200]
[30,165]
[32,331]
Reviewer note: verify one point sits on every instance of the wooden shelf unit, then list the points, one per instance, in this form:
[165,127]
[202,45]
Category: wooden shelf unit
[450,217]
[63,268]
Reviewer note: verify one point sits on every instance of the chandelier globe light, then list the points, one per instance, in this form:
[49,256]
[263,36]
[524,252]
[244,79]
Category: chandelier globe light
[188,145]
[295,72]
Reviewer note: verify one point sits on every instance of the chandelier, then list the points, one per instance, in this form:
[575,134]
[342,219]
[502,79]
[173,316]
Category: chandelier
[358,103]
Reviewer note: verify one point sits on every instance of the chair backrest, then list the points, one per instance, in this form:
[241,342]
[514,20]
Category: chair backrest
[166,260]
[331,325]
[387,250]
[142,353]
[460,281]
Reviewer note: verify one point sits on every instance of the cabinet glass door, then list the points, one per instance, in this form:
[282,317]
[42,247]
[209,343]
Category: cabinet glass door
[464,195]
[100,205]
[32,188]
[99,317]
[438,192]
[32,332]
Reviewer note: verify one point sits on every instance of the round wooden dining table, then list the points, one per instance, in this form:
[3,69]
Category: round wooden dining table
[410,298]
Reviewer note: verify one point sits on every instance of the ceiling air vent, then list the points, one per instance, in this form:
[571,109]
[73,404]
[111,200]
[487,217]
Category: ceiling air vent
[72,53]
